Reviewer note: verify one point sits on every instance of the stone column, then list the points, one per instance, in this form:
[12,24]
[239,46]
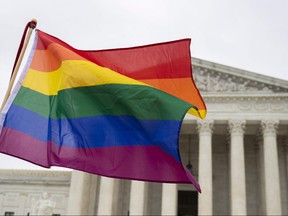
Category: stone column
[82,195]
[106,194]
[283,178]
[2,195]
[286,172]
[260,174]
[138,198]
[237,168]
[205,202]
[286,160]
[271,168]
[169,199]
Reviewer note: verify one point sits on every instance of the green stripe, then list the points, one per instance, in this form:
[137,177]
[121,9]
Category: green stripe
[143,102]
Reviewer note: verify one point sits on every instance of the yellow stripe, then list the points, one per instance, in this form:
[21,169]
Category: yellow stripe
[72,74]
[198,113]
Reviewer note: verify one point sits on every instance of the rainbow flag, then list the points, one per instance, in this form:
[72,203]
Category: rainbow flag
[115,113]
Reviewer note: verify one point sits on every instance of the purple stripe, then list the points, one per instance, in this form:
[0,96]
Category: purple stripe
[21,145]
[148,163]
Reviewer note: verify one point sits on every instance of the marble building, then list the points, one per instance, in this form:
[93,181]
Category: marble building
[239,154]
[34,192]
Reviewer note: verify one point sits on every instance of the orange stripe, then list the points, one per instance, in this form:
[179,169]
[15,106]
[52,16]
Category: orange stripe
[51,58]
[183,88]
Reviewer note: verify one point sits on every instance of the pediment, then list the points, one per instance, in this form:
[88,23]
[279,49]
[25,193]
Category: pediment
[215,78]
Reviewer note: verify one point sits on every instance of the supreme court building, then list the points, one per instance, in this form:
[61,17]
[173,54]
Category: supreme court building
[239,154]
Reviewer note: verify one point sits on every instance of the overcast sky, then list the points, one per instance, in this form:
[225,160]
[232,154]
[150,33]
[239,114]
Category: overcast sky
[246,34]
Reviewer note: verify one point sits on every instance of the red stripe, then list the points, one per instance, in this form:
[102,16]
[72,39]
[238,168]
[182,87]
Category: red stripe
[156,61]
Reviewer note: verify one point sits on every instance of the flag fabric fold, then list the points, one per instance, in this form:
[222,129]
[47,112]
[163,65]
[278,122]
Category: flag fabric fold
[115,113]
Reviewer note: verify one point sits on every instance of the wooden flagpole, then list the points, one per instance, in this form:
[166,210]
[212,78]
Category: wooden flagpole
[31,25]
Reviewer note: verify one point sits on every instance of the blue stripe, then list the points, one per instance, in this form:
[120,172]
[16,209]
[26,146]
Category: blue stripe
[99,131]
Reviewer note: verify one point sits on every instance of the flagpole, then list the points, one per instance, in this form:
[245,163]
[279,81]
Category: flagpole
[31,25]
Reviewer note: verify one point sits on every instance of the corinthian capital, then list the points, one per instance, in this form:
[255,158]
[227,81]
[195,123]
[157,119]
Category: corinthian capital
[269,127]
[205,126]
[237,126]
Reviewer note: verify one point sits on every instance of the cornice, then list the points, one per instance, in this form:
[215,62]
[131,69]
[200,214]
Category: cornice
[246,98]
[34,177]
[15,172]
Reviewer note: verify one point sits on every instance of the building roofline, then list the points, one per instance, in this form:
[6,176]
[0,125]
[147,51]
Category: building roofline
[239,72]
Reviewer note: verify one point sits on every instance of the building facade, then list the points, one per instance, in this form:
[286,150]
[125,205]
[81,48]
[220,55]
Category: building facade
[24,192]
[239,154]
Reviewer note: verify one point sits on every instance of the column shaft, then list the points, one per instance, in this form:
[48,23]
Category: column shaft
[138,198]
[169,199]
[237,168]
[271,168]
[82,195]
[106,193]
[205,199]
[2,194]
